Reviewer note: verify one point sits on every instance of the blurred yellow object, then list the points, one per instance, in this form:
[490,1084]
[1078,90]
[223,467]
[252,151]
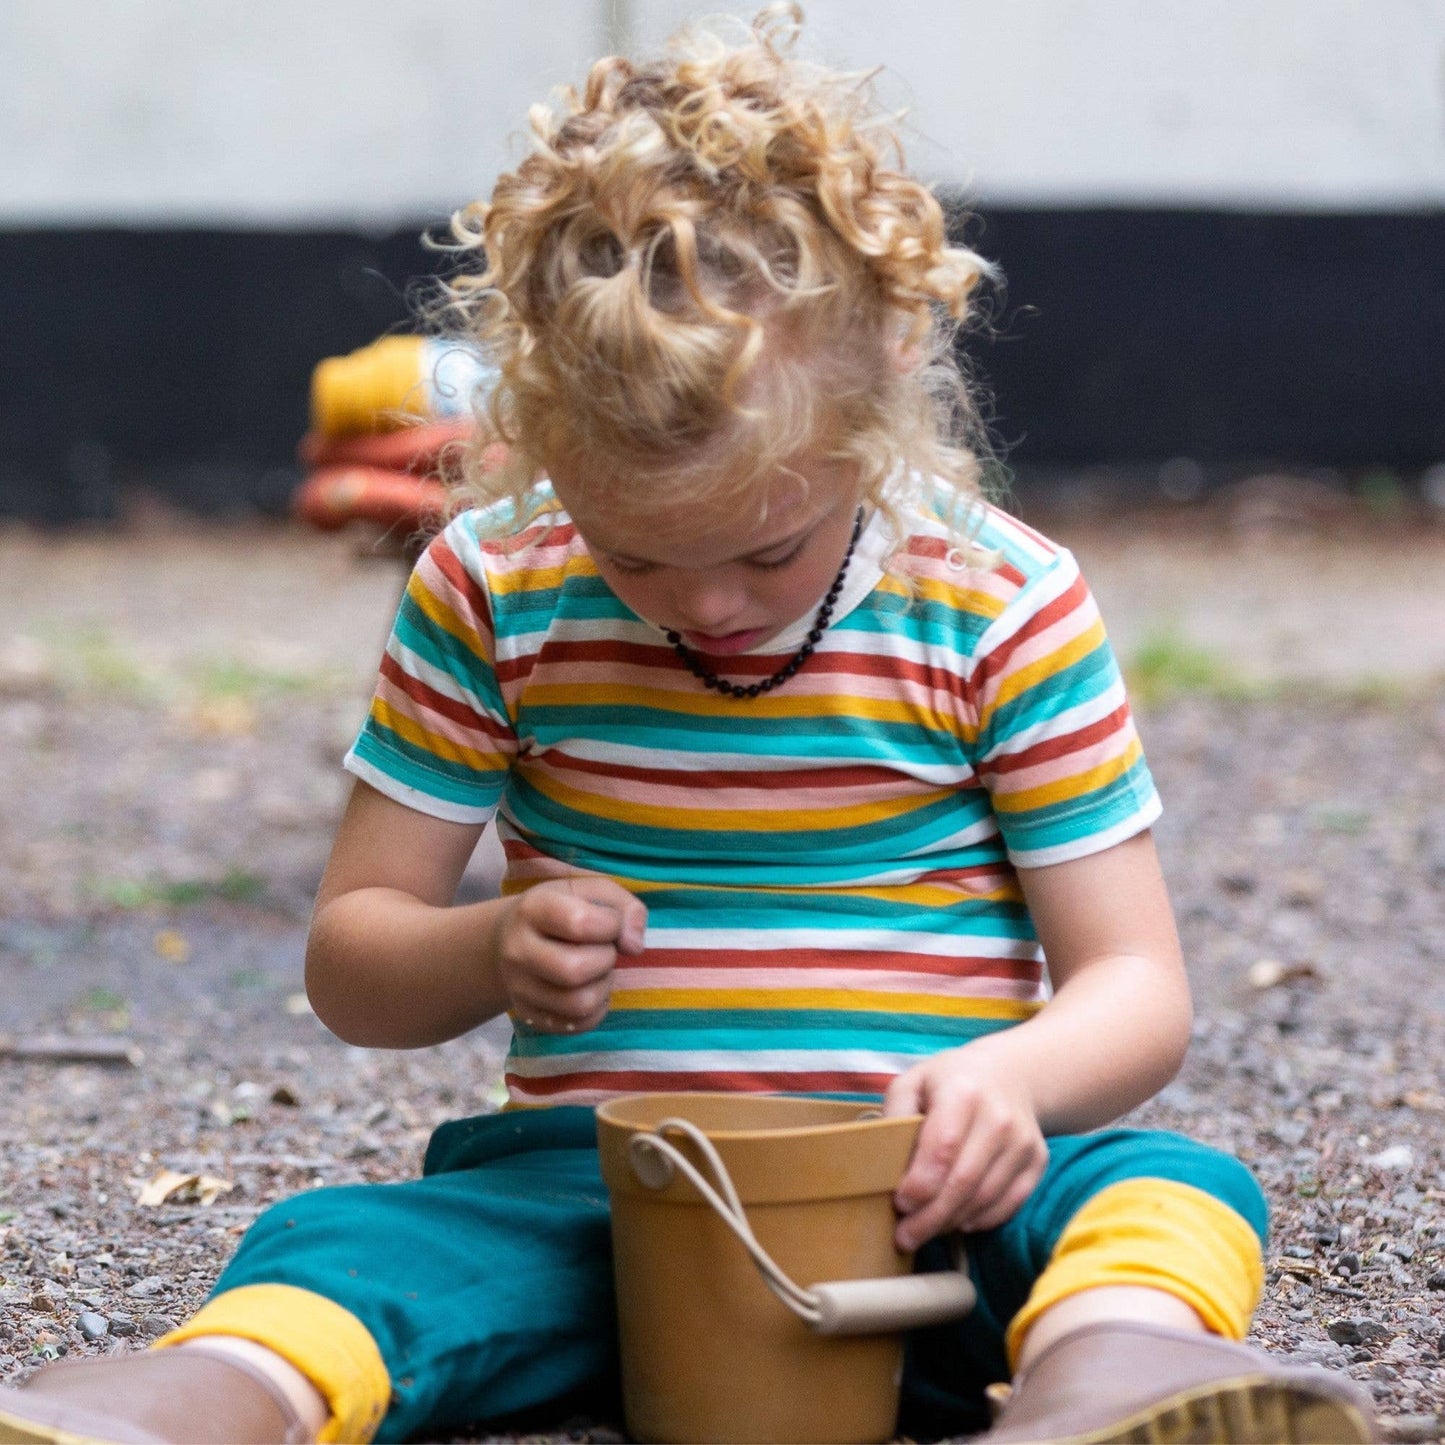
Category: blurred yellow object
[395,382]
[379,388]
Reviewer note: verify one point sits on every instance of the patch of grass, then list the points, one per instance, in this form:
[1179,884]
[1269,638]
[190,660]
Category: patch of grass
[231,677]
[235,886]
[102,1000]
[1166,665]
[89,660]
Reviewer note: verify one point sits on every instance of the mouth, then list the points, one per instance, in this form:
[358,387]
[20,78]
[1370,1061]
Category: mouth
[725,643]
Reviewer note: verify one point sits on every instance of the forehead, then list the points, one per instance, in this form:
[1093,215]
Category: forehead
[684,524]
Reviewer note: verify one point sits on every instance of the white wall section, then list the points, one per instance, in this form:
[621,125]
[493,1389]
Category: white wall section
[370,112]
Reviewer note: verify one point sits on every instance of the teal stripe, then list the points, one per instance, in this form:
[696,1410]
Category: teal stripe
[1083,680]
[543,817]
[417,768]
[839,739]
[449,654]
[746,1031]
[1093,812]
[730,908]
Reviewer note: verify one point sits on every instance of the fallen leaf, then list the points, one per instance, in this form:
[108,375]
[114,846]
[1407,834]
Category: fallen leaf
[172,1187]
[1423,1099]
[1271,973]
[173,946]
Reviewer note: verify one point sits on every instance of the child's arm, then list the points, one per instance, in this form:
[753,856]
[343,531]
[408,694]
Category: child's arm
[1114,1033]
[391,962]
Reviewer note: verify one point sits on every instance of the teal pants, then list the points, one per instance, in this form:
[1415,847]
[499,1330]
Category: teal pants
[487,1283]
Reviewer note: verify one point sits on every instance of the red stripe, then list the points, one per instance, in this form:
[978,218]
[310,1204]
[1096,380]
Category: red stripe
[428,699]
[719,962]
[783,780]
[478,613]
[1051,749]
[642,1082]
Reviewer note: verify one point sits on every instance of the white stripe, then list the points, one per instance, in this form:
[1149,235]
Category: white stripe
[410,797]
[1028,602]
[695,1061]
[1093,843]
[710,939]
[438,679]
[1061,724]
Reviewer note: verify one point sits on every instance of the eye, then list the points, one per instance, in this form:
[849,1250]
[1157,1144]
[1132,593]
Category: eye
[629,566]
[769,564]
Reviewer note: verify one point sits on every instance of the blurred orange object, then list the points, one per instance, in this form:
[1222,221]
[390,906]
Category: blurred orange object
[331,497]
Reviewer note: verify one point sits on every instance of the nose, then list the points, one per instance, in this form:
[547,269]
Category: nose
[707,602]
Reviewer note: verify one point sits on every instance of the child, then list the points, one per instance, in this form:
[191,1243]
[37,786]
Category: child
[805,760]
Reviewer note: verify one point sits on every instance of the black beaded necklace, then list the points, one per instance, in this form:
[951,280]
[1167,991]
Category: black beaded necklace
[794,664]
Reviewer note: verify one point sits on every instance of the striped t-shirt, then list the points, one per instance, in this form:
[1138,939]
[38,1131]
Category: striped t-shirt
[829,868]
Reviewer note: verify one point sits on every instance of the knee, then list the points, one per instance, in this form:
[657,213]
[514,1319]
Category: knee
[1117,1155]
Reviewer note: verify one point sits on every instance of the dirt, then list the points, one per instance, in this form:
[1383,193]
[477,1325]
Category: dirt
[174,701]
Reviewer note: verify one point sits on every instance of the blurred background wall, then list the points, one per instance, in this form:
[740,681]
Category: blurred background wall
[1221,223]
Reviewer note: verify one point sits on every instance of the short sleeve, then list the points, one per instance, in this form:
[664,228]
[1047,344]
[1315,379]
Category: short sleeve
[1057,748]
[438,737]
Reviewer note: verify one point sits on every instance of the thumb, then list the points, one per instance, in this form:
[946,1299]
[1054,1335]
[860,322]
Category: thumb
[905,1095]
[632,936]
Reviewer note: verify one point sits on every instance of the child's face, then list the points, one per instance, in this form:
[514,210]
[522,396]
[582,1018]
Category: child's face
[727,577]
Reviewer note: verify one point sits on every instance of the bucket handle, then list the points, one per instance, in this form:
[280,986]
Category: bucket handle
[838,1307]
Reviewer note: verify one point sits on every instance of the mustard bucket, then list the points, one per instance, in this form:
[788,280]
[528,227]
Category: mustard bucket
[760,1296]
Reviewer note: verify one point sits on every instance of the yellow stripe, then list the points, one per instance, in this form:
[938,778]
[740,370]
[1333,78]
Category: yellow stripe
[1048,666]
[703,704]
[327,1343]
[960,599]
[444,617]
[735,819]
[847,999]
[1076,785]
[1160,1234]
[925,895]
[404,727]
[539,579]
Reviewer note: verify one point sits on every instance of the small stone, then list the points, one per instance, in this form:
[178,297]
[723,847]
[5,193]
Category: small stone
[1356,1331]
[1300,1317]
[1413,1429]
[1348,1264]
[1402,1250]
[121,1324]
[153,1326]
[149,1287]
[1397,1156]
[92,1325]
[1437,1280]
[1298,1251]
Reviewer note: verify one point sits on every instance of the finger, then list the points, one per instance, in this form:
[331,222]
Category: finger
[904,1095]
[589,910]
[956,1193]
[561,967]
[631,911]
[1001,1193]
[946,1126]
[572,1004]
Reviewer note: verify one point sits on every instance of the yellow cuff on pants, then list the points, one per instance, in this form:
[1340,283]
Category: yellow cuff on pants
[328,1344]
[1160,1234]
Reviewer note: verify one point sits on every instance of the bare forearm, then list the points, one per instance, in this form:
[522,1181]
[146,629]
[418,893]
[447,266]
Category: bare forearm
[386,970]
[1112,1036]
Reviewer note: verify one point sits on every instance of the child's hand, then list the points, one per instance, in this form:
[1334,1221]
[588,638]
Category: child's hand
[980,1151]
[556,946]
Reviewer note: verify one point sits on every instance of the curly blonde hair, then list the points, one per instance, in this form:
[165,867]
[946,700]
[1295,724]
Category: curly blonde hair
[708,264]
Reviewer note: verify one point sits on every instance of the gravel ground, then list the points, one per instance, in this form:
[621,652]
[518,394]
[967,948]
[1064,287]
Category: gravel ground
[168,762]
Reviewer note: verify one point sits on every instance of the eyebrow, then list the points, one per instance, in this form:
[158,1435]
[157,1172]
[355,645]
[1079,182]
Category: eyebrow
[780,545]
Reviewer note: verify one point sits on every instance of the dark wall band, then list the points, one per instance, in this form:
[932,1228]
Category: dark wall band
[179,360]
